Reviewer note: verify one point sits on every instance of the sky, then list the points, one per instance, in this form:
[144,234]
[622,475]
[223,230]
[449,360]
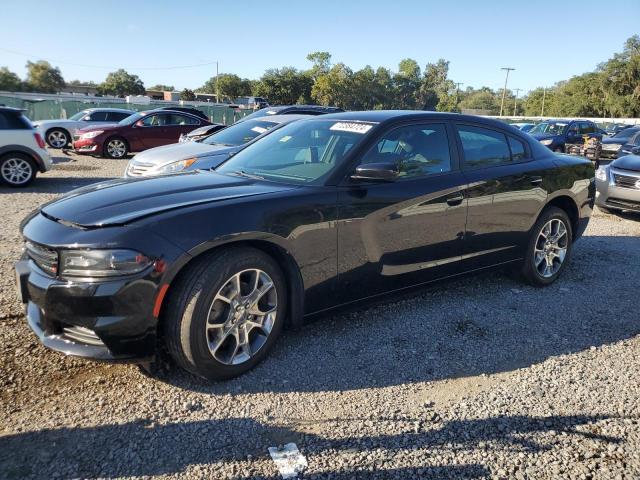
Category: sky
[177,43]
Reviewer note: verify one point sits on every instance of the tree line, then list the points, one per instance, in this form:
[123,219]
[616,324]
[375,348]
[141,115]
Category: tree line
[612,89]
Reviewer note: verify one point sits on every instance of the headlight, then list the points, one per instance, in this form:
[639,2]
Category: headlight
[102,263]
[548,141]
[177,166]
[601,174]
[92,134]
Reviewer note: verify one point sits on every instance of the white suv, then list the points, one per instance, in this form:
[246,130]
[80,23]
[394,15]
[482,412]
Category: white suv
[22,149]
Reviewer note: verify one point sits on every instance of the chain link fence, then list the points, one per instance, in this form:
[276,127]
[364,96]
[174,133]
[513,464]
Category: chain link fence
[45,109]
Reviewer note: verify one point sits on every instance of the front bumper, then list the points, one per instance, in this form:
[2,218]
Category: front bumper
[619,191]
[110,321]
[85,145]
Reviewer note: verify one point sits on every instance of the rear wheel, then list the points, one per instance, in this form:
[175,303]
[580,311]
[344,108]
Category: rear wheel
[17,170]
[549,247]
[57,138]
[225,313]
[115,148]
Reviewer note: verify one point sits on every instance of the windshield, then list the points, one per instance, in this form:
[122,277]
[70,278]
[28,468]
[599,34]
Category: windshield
[263,112]
[130,119]
[550,128]
[239,133]
[79,115]
[625,134]
[302,152]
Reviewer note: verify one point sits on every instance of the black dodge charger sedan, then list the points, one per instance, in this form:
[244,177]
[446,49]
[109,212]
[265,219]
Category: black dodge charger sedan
[326,211]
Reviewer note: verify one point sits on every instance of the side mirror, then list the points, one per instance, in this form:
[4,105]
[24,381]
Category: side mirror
[376,172]
[139,123]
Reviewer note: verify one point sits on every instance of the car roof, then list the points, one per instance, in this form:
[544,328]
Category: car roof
[382,116]
[122,110]
[284,118]
[12,109]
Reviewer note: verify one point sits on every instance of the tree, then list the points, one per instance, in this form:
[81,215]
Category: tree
[229,85]
[121,83]
[9,81]
[481,99]
[42,77]
[437,91]
[187,94]
[335,87]
[321,63]
[406,84]
[285,86]
[163,88]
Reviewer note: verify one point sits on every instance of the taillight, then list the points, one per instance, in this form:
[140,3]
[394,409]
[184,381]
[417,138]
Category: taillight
[39,140]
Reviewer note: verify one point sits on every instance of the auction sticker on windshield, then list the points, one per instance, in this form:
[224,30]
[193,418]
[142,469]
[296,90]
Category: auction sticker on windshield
[351,127]
[259,129]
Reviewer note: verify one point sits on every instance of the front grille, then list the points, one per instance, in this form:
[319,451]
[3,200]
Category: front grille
[81,335]
[623,203]
[136,169]
[45,258]
[625,181]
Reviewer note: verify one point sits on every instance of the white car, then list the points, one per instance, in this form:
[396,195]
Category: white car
[22,149]
[59,133]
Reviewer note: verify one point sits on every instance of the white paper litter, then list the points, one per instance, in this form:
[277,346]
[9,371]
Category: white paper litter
[289,460]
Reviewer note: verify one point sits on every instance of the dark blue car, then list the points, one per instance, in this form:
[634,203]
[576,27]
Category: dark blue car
[555,134]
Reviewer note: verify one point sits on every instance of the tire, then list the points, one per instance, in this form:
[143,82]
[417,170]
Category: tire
[57,138]
[536,268]
[116,148]
[203,323]
[17,170]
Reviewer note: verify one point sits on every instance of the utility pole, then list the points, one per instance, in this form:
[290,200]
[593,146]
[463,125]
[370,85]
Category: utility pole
[544,95]
[504,91]
[515,101]
[458,93]
[217,89]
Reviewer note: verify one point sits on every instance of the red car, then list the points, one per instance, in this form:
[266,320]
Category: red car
[135,133]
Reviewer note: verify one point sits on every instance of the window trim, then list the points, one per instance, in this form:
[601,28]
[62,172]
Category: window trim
[453,152]
[466,167]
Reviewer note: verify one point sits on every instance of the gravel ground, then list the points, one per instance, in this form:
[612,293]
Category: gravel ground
[480,377]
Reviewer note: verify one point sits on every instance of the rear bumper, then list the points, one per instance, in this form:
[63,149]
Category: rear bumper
[109,321]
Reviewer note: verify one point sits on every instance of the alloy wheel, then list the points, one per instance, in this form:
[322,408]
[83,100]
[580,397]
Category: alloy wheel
[241,316]
[57,139]
[116,148]
[16,171]
[551,248]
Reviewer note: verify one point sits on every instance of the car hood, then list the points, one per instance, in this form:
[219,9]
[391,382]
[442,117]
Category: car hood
[628,162]
[543,136]
[118,202]
[615,141]
[104,126]
[180,151]
[61,122]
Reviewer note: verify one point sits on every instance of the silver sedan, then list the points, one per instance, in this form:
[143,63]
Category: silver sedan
[618,185]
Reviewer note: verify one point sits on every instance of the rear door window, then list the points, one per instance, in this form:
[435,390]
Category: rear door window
[518,152]
[483,147]
[175,119]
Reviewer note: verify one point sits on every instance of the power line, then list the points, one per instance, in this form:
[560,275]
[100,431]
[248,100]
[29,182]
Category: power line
[51,60]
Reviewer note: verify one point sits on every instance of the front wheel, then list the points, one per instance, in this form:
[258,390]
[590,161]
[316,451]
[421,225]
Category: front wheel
[58,138]
[115,148]
[549,247]
[225,313]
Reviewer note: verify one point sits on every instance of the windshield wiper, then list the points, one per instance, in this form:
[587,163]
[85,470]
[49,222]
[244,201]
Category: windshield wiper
[242,173]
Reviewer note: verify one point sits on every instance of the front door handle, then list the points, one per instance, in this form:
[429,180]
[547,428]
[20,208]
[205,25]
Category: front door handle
[455,199]
[536,180]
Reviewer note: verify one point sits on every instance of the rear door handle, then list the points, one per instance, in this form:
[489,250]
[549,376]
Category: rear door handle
[536,180]
[455,199]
